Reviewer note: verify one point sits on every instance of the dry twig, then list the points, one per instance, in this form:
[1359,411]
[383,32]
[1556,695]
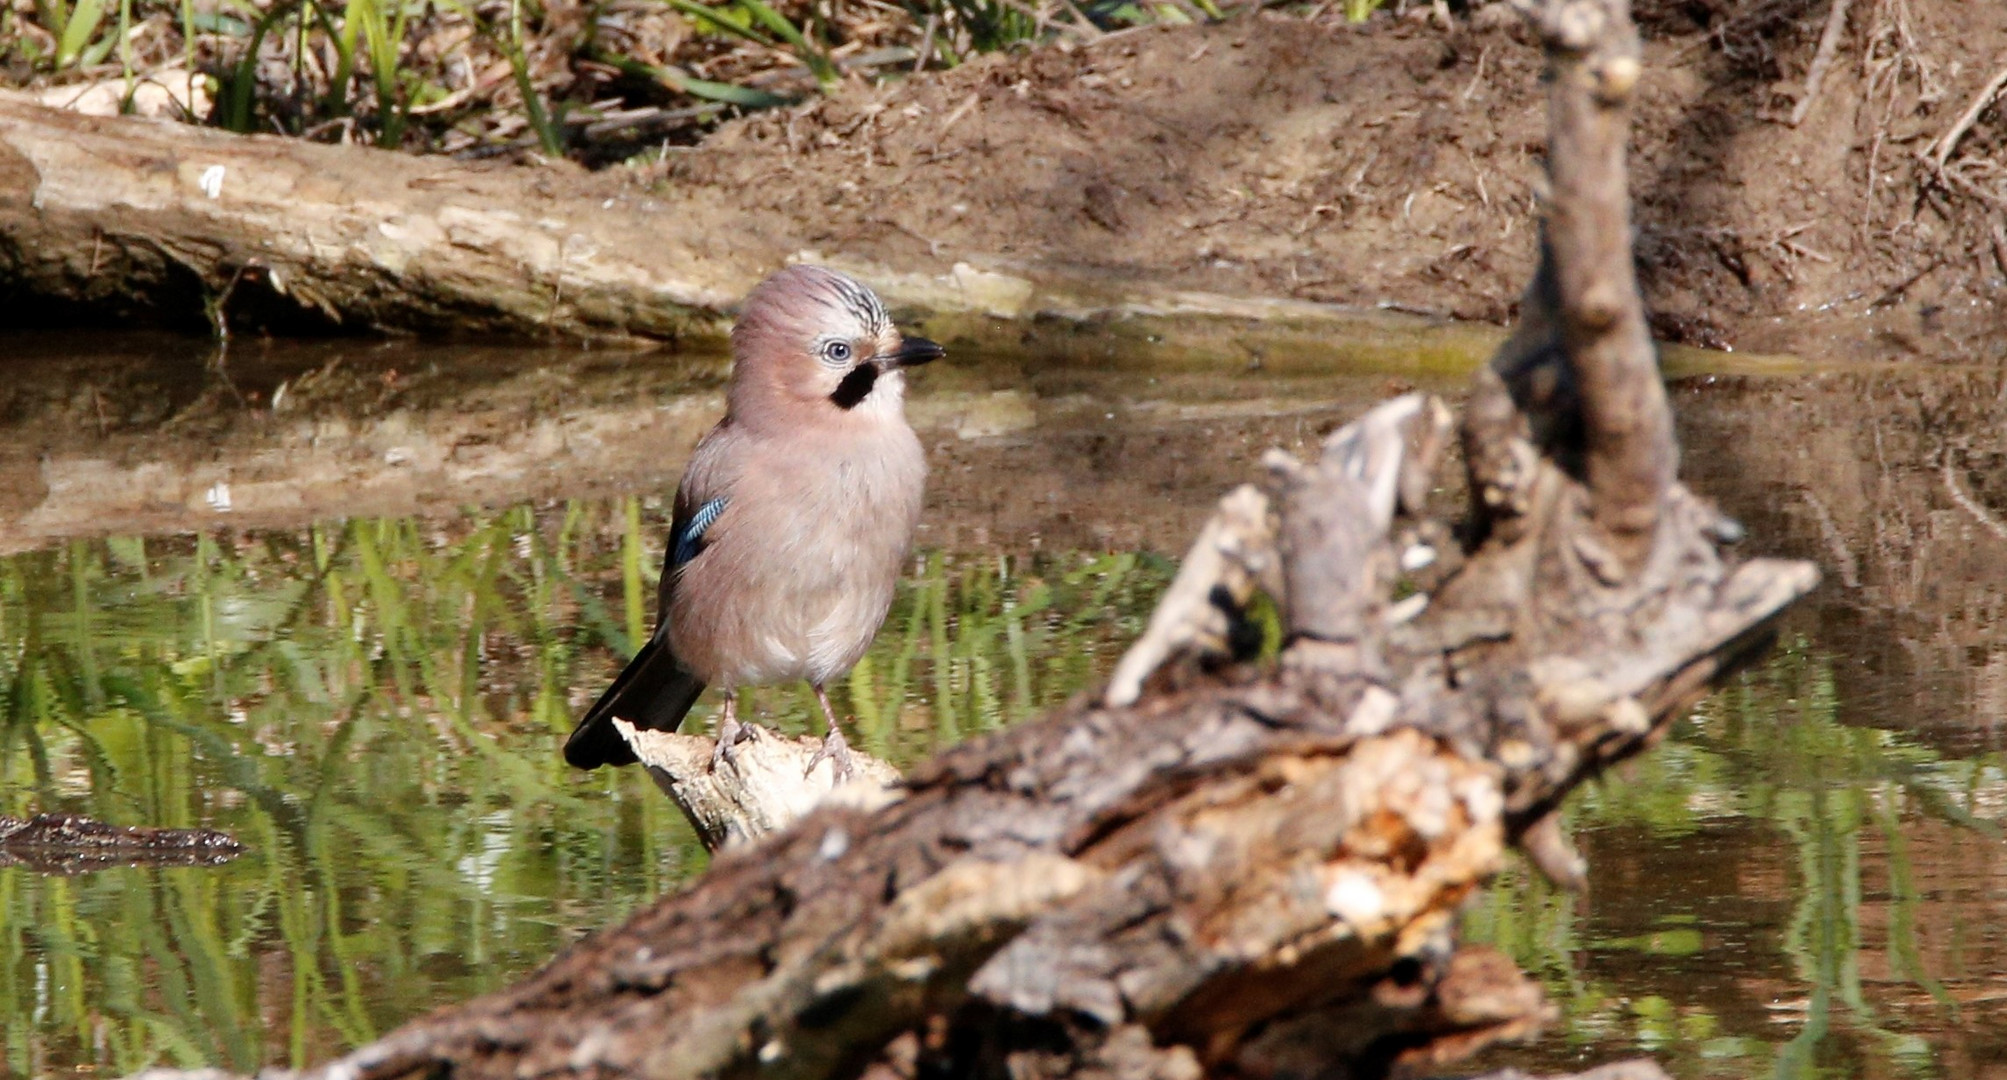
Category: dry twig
[1829,45]
[1939,151]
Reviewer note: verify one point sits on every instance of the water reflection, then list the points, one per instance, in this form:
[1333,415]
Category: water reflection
[375,708]
[1778,892]
[1806,880]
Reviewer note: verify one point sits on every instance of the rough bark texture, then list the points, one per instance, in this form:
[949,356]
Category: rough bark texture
[1221,869]
[1631,459]
[125,218]
[132,218]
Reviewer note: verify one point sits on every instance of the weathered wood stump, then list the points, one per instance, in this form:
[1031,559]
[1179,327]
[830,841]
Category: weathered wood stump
[1223,868]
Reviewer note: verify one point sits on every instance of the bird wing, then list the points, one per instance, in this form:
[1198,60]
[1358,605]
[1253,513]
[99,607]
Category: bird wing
[700,499]
[654,691]
[686,536]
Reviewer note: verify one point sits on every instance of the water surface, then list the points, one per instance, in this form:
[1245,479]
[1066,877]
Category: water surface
[362,662]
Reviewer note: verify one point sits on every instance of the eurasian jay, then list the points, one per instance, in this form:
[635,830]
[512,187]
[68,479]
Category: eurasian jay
[792,522]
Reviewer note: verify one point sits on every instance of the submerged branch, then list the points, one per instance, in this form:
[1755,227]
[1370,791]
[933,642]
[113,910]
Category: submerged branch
[69,844]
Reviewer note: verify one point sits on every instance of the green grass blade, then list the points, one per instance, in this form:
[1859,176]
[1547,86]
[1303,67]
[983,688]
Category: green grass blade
[533,104]
[78,30]
[720,18]
[727,93]
[630,570]
[244,74]
[214,22]
[730,93]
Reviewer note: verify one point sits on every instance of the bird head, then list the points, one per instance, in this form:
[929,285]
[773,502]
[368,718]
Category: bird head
[811,338]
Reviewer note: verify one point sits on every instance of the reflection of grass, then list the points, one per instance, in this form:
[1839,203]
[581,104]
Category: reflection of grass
[1769,750]
[375,709]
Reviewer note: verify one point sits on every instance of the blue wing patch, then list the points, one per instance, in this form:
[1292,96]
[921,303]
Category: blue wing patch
[689,540]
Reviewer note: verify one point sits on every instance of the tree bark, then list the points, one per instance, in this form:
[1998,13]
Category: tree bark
[1220,867]
[1581,365]
[1251,871]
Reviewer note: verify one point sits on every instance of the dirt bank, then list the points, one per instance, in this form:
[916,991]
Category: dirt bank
[1394,164]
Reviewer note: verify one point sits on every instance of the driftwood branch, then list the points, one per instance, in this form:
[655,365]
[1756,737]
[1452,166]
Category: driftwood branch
[1586,283]
[1220,867]
[1938,151]
[1256,873]
[1822,61]
[764,786]
[1232,558]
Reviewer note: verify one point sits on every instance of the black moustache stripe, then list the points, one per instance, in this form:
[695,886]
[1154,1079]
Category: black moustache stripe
[855,386]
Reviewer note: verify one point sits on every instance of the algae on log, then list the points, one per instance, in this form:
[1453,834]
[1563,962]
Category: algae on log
[1226,868]
[133,215]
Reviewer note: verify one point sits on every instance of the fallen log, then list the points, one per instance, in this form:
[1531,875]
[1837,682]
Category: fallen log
[1255,873]
[130,216]
[1222,867]
[124,219]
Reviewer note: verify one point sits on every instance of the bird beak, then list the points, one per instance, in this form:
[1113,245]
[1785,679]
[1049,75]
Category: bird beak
[912,352]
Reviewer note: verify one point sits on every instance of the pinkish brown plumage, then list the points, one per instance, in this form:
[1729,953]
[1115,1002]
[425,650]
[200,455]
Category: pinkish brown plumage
[793,519]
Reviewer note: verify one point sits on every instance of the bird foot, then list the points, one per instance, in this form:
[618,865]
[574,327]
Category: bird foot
[836,749]
[730,734]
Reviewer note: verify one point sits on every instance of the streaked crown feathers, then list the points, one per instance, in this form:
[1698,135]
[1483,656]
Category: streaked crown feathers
[805,301]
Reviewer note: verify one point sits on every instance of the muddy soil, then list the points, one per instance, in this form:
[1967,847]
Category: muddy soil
[1395,164]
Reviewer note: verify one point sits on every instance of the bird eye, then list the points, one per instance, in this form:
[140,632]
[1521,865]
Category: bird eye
[837,352]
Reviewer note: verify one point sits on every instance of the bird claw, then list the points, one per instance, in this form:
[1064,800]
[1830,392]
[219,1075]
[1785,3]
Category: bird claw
[836,749]
[730,734]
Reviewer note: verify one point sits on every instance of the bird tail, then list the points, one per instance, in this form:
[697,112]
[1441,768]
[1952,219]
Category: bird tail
[653,693]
